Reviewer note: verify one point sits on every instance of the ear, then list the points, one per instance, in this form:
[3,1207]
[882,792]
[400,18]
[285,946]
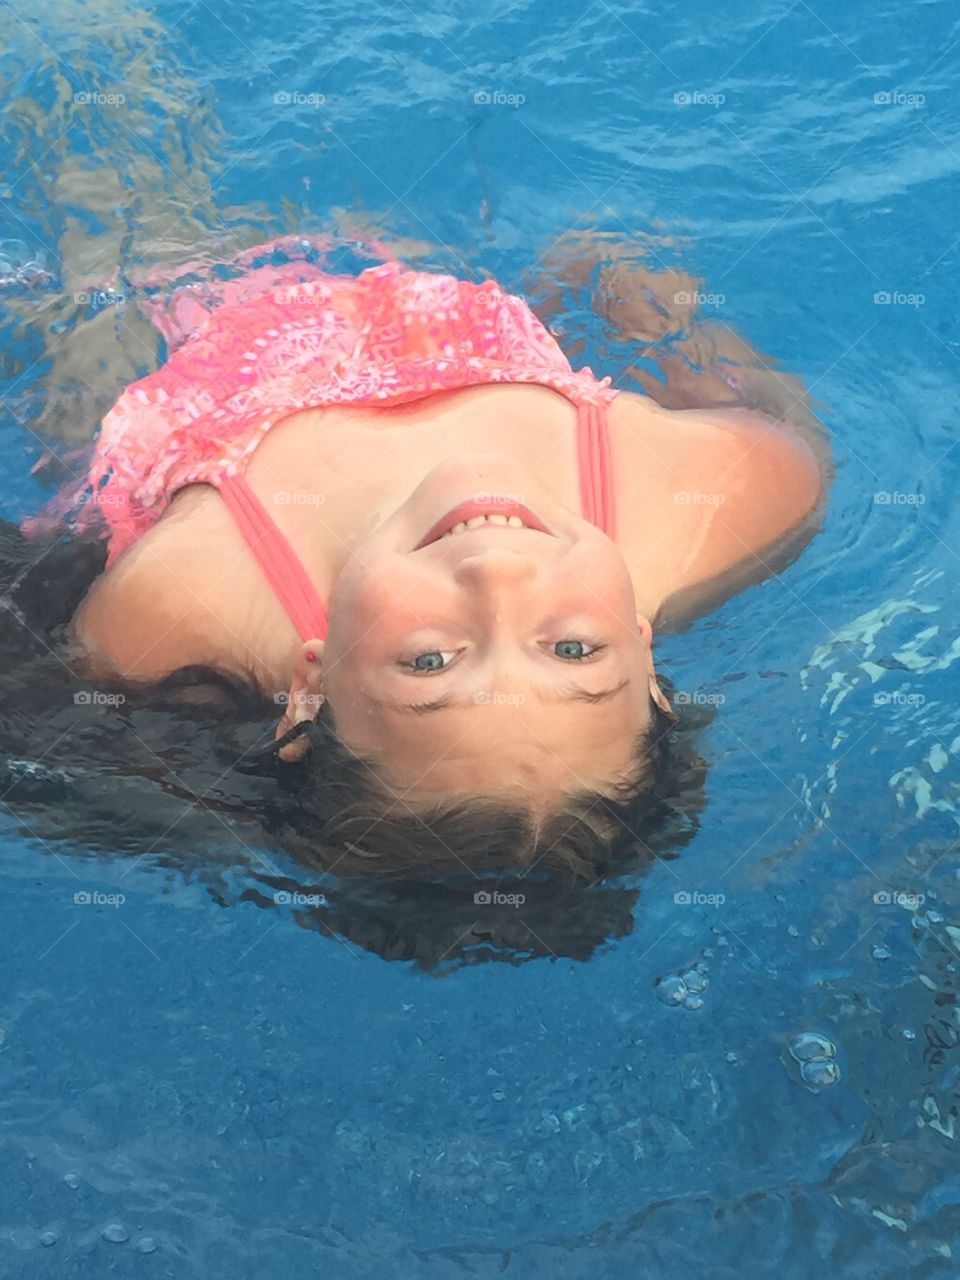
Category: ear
[304,698]
[656,693]
[661,699]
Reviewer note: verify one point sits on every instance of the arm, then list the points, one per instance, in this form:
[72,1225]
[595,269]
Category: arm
[705,364]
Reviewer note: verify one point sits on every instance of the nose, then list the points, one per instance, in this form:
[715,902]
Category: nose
[495,567]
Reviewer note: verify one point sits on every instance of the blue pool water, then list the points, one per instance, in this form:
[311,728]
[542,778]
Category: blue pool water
[191,1085]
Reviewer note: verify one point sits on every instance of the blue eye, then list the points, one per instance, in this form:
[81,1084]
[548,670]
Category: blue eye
[434,660]
[575,650]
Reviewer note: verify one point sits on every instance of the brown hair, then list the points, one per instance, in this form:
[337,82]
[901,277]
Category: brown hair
[189,786]
[347,820]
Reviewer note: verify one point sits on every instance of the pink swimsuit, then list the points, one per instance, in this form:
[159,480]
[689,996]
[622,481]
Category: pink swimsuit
[249,352]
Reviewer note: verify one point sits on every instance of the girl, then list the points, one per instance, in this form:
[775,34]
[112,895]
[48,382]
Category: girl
[389,504]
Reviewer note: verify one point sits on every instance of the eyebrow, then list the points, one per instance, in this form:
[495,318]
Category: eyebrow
[569,693]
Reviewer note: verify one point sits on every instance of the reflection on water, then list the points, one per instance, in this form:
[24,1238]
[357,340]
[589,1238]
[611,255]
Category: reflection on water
[759,1062]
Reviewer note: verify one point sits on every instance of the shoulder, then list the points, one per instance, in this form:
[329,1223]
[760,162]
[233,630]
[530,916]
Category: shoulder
[730,497]
[768,474]
[152,612]
[761,472]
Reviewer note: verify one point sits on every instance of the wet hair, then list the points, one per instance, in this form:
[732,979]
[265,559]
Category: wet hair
[476,881]
[345,816]
[182,774]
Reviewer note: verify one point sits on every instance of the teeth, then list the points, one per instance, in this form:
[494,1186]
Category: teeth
[475,522]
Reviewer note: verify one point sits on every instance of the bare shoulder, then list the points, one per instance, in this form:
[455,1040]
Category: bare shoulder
[150,613]
[763,473]
[739,494]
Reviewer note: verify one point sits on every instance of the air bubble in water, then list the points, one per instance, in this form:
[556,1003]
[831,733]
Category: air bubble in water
[115,1233]
[146,1245]
[71,1180]
[695,980]
[880,952]
[672,989]
[48,1238]
[693,1001]
[816,1054]
[819,1073]
[809,1046]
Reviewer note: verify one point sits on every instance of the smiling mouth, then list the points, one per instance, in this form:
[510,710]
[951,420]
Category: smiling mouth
[474,514]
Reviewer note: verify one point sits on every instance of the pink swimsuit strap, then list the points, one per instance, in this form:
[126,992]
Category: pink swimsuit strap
[269,340]
[292,584]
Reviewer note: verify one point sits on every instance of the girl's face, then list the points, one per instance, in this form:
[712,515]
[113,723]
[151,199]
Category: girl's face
[503,658]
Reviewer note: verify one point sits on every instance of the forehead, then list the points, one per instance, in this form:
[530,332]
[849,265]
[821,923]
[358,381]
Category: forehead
[504,747]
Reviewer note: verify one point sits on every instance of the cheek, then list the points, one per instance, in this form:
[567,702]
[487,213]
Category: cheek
[599,573]
[383,594]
